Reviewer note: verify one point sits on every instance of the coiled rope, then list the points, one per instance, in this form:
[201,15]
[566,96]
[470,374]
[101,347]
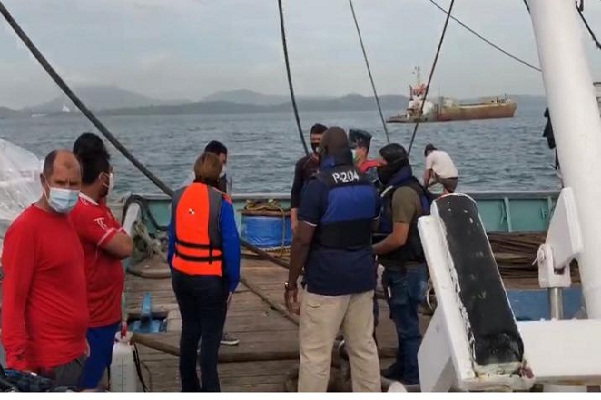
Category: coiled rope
[100,126]
[421,108]
[371,79]
[289,74]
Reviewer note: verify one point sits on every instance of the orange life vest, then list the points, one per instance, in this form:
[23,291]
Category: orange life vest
[195,211]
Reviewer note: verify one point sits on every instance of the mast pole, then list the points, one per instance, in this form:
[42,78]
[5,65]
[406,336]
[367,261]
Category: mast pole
[577,127]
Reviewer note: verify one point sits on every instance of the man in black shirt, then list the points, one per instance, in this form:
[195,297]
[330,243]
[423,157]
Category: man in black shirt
[219,149]
[304,168]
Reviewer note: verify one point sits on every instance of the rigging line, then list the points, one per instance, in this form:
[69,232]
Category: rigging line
[371,79]
[421,108]
[485,40]
[78,103]
[580,9]
[588,28]
[289,74]
[100,126]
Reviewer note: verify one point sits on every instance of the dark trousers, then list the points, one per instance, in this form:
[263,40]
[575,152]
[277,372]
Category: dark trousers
[202,303]
[405,291]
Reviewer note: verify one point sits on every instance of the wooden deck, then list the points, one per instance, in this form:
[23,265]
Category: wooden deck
[268,351]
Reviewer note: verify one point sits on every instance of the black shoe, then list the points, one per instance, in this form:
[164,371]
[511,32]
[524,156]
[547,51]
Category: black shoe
[392,373]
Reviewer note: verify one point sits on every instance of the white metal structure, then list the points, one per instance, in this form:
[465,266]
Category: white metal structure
[556,352]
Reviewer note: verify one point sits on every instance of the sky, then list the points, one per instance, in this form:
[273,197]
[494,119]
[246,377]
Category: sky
[188,49]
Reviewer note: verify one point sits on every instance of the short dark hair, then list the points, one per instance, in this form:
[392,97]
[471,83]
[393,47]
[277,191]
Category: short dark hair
[93,156]
[216,147]
[89,142]
[318,129]
[429,147]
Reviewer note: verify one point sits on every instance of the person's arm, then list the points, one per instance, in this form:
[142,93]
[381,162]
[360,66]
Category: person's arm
[230,245]
[18,262]
[428,170]
[404,208]
[119,246]
[310,210]
[100,228]
[295,195]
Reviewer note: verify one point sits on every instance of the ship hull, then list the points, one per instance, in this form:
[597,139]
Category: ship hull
[462,113]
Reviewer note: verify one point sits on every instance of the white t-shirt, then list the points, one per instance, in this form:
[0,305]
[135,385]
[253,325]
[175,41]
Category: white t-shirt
[440,162]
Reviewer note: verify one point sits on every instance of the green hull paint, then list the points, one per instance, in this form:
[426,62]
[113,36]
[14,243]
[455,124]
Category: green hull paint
[500,211]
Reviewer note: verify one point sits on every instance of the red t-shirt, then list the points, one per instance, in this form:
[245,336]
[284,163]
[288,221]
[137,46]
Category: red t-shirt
[96,226]
[44,312]
[367,164]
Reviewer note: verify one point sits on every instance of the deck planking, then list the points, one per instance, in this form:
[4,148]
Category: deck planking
[263,331]
[268,349]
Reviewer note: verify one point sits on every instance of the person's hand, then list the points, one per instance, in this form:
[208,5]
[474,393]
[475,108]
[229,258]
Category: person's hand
[291,300]
[229,298]
[87,352]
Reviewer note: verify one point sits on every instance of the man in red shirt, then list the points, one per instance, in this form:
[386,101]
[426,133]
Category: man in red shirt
[105,244]
[360,140]
[44,311]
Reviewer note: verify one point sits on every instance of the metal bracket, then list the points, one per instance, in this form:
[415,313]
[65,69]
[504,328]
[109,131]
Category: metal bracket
[563,244]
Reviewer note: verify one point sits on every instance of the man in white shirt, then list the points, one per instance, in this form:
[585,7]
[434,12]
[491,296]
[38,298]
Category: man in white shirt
[440,169]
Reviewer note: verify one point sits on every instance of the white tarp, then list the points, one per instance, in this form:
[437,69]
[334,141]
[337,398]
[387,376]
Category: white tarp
[19,182]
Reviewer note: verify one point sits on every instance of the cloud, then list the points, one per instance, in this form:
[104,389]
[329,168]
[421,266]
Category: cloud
[190,48]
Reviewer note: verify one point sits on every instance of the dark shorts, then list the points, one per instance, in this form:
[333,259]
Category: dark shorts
[450,184]
[101,341]
[66,375]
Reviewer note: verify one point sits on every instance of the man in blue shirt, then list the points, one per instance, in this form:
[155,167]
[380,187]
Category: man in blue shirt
[338,211]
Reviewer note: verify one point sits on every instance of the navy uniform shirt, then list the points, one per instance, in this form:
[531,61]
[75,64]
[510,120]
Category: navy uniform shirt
[332,271]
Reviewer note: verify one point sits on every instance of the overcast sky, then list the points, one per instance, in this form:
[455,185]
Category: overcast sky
[187,49]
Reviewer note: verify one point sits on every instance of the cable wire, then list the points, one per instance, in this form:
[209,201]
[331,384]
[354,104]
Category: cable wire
[421,108]
[371,79]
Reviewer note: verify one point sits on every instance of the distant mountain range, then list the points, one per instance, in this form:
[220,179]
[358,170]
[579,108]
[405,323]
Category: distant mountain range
[116,101]
[98,98]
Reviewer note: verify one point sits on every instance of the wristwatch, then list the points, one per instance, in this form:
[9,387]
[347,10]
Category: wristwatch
[288,286]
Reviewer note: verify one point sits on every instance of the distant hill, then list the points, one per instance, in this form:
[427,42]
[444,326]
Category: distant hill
[352,102]
[245,96]
[9,113]
[98,98]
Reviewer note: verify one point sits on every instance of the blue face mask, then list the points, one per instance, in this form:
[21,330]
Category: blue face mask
[62,200]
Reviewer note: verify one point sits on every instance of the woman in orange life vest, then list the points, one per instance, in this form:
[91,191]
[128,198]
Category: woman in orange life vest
[204,255]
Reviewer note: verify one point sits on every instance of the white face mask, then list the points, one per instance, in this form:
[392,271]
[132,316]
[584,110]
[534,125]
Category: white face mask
[62,200]
[354,153]
[223,172]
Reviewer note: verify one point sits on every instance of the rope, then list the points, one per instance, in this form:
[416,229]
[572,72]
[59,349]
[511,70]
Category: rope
[421,108]
[579,9]
[588,28]
[371,79]
[479,36]
[289,74]
[78,103]
[105,132]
